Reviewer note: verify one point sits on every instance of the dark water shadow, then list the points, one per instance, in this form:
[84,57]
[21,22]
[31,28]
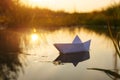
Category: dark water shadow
[10,63]
[74,58]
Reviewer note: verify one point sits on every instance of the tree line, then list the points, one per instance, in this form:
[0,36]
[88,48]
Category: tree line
[15,15]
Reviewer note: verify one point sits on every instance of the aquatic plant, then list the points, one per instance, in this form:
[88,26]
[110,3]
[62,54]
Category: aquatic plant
[112,17]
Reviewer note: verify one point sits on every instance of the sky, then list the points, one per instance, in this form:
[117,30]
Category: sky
[70,5]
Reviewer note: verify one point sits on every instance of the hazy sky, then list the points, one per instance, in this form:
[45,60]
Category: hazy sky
[70,5]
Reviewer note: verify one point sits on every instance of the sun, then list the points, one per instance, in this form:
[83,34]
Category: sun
[34,37]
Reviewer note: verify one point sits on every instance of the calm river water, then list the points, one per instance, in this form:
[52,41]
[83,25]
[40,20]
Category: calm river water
[42,50]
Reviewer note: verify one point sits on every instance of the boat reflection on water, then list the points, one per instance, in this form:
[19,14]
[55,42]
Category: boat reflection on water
[74,58]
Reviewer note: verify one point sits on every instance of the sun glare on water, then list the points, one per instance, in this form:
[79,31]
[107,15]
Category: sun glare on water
[34,37]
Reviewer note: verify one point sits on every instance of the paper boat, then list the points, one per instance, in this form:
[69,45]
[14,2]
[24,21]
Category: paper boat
[74,52]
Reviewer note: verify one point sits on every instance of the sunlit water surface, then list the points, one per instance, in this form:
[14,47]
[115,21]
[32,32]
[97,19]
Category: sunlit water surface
[43,50]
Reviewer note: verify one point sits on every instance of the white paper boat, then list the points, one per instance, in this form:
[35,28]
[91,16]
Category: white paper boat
[74,52]
[76,46]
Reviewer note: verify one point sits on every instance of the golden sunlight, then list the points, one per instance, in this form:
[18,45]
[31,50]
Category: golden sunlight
[34,37]
[70,5]
[35,2]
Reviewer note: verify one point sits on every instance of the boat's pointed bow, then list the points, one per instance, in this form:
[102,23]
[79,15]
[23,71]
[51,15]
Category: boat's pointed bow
[75,63]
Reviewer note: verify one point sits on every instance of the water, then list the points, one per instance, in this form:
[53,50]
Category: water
[101,56]
[39,52]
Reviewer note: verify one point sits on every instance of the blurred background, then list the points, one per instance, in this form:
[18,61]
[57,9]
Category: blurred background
[29,28]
